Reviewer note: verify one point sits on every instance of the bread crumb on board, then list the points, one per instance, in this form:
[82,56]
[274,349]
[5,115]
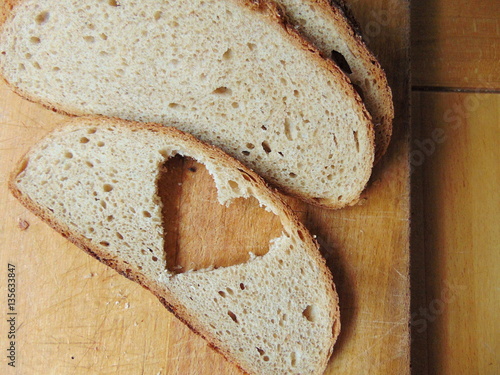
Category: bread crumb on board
[22,224]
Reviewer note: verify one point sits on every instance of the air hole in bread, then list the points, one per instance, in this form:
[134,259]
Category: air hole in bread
[228,54]
[288,129]
[35,40]
[84,140]
[41,18]
[293,359]
[341,61]
[222,91]
[217,240]
[310,313]
[233,316]
[356,140]
[266,147]
[107,188]
[89,39]
[68,155]
[251,46]
[175,106]
[246,176]
[234,186]
[114,3]
[157,15]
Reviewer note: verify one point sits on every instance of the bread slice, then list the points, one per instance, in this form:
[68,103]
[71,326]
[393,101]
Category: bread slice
[330,27]
[233,73]
[275,314]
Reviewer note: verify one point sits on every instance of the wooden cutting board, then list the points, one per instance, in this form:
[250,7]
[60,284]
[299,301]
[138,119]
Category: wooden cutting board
[75,316]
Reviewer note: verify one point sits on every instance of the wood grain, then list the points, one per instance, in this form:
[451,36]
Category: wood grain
[78,317]
[460,179]
[456,44]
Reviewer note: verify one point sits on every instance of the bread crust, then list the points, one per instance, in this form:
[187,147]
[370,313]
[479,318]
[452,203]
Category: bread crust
[285,214]
[275,17]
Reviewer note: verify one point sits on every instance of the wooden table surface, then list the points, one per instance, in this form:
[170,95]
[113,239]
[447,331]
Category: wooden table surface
[75,316]
[456,177]
[455,233]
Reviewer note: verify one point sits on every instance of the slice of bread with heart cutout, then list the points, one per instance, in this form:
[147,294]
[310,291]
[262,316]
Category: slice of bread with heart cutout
[95,181]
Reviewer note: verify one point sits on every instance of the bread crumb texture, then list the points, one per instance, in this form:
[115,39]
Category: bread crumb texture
[95,180]
[229,74]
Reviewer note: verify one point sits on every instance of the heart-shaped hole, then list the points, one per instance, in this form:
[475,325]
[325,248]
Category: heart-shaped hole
[199,232]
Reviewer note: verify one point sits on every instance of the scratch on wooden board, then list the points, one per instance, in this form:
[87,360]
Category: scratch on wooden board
[377,342]
[382,217]
[22,125]
[179,357]
[383,322]
[400,274]
[489,349]
[346,219]
[186,342]
[145,354]
[93,338]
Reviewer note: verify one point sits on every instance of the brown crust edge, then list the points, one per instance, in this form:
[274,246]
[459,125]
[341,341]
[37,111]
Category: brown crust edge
[312,247]
[276,14]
